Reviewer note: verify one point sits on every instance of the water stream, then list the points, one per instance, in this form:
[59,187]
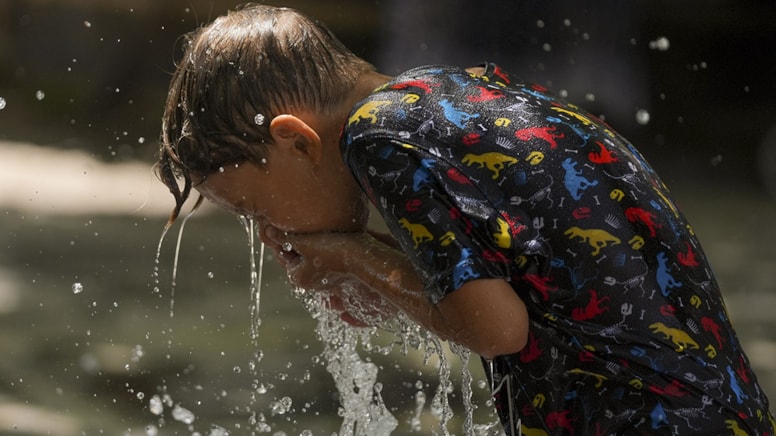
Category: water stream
[347,354]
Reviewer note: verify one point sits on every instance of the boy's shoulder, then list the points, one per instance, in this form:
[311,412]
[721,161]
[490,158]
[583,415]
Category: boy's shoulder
[418,90]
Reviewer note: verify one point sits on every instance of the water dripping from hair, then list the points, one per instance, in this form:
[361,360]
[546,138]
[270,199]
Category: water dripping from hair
[256,273]
[177,254]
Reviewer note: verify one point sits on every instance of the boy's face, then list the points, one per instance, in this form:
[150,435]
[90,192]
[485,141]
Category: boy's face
[285,195]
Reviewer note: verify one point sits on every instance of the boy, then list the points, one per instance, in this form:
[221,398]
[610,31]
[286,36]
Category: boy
[525,229]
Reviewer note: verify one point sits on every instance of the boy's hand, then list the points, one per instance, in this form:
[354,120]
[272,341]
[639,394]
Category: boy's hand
[485,315]
[321,262]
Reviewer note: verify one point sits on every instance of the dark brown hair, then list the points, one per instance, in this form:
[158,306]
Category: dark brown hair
[235,75]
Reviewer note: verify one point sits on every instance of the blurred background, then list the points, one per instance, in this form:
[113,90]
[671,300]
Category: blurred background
[86,334]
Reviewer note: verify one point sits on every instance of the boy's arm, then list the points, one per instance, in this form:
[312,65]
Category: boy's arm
[484,315]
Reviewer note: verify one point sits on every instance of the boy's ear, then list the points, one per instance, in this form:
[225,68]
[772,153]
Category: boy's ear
[293,135]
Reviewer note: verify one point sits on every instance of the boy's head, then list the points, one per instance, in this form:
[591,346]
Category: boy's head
[235,76]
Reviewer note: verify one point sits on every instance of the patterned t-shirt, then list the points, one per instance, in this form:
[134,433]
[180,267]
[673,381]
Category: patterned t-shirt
[485,177]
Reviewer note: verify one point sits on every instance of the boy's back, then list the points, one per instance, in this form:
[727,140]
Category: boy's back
[482,177]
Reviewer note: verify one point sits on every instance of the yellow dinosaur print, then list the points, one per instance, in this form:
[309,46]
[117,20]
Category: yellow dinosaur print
[419,232]
[367,112]
[601,378]
[597,238]
[526,431]
[680,338]
[502,237]
[737,431]
[666,200]
[585,120]
[494,161]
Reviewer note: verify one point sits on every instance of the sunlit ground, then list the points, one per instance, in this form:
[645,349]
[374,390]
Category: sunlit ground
[89,360]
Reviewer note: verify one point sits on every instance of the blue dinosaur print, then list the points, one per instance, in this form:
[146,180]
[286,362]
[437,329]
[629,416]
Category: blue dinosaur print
[735,387]
[463,270]
[663,275]
[659,418]
[422,176]
[584,136]
[454,115]
[574,181]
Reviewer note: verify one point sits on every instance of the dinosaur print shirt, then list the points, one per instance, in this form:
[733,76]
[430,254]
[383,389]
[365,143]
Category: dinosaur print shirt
[489,177]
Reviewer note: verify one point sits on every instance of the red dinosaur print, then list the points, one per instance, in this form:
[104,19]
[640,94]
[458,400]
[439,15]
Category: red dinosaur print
[485,95]
[586,356]
[673,389]
[471,138]
[688,258]
[544,133]
[635,214]
[559,419]
[711,326]
[458,177]
[581,212]
[425,86]
[594,308]
[667,310]
[413,205]
[531,351]
[501,74]
[494,256]
[456,214]
[742,370]
[602,157]
[541,284]
[515,227]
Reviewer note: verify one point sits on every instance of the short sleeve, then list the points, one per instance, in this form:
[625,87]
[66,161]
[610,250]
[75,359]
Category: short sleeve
[451,233]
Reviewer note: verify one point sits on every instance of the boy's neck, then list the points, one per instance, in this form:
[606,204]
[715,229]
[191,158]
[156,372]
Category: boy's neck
[364,86]
[330,125]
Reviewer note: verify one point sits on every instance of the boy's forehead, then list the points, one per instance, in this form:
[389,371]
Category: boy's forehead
[227,188]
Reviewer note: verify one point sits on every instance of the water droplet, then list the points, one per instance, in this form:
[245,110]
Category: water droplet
[87,24]
[78,288]
[216,430]
[259,119]
[40,95]
[137,353]
[2,103]
[210,274]
[642,117]
[660,44]
[287,246]
[236,370]
[182,414]
[155,405]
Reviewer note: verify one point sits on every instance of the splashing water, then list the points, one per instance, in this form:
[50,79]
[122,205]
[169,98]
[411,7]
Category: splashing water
[362,408]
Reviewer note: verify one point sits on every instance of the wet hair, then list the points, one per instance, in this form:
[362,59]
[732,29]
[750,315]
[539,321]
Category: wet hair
[236,74]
